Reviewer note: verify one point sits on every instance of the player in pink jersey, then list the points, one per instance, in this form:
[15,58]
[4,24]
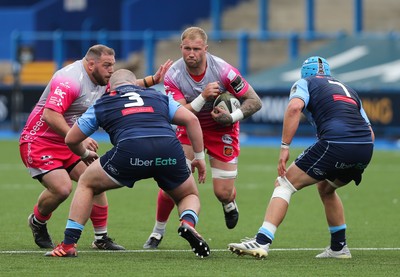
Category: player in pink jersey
[195,81]
[70,92]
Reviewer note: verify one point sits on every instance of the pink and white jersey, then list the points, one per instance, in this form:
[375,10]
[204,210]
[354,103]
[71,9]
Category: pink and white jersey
[180,84]
[70,92]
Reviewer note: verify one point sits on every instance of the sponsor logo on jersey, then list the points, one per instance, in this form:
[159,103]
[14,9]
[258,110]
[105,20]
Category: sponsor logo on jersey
[237,84]
[227,139]
[46,157]
[112,169]
[155,162]
[56,101]
[137,110]
[318,171]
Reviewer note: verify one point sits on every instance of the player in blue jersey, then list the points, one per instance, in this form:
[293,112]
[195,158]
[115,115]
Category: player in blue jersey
[138,121]
[343,150]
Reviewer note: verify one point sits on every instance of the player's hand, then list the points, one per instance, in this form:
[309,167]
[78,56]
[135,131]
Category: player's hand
[90,144]
[283,158]
[159,76]
[201,169]
[221,116]
[90,158]
[211,91]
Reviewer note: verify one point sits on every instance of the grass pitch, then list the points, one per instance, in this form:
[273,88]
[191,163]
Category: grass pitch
[372,215]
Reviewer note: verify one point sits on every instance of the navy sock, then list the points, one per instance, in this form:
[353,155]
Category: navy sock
[189,218]
[71,236]
[263,239]
[338,240]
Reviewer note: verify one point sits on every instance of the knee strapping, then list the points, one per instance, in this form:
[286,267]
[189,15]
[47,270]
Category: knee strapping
[284,190]
[223,174]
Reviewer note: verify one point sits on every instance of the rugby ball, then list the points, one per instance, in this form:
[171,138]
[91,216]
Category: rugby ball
[227,102]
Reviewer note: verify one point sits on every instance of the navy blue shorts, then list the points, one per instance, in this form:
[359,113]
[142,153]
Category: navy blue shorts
[161,158]
[332,160]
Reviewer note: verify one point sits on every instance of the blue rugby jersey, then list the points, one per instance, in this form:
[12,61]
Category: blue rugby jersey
[333,108]
[131,112]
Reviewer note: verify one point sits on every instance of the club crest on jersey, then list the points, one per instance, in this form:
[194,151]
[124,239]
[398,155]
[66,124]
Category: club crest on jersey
[228,150]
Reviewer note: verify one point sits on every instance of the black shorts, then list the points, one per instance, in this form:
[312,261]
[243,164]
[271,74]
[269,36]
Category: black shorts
[333,160]
[161,158]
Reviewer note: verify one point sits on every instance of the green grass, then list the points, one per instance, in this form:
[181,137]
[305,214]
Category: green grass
[372,215]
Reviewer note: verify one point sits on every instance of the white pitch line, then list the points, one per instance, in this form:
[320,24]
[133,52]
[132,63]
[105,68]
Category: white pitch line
[176,250]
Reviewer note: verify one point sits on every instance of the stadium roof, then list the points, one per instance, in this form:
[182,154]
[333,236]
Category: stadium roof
[364,64]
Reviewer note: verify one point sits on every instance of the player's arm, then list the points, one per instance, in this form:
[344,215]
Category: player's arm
[64,91]
[209,93]
[291,122]
[74,140]
[183,117]
[56,122]
[157,78]
[250,102]
[79,133]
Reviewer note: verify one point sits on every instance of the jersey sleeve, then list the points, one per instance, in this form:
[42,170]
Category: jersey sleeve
[63,92]
[233,81]
[173,106]
[171,87]
[88,123]
[300,90]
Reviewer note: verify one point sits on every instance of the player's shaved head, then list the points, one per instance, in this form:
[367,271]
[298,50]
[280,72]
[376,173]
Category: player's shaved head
[122,77]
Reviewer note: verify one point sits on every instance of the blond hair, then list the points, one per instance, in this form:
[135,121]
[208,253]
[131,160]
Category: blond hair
[193,33]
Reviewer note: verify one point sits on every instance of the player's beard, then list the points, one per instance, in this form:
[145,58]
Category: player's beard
[99,79]
[193,63]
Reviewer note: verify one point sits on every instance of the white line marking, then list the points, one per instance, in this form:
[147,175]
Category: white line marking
[176,250]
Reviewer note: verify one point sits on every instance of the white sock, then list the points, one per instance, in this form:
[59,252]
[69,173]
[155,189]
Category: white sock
[159,227]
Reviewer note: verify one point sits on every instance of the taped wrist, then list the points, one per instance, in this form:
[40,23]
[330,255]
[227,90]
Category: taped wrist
[237,115]
[85,155]
[149,81]
[198,103]
[199,155]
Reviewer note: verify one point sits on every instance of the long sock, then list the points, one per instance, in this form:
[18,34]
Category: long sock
[159,227]
[165,205]
[99,217]
[39,217]
[72,232]
[266,233]
[190,217]
[338,237]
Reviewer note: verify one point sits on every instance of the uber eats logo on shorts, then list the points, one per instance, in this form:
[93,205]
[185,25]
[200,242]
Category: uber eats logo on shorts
[155,162]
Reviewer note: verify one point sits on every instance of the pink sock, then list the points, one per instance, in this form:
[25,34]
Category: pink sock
[99,216]
[39,216]
[165,205]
